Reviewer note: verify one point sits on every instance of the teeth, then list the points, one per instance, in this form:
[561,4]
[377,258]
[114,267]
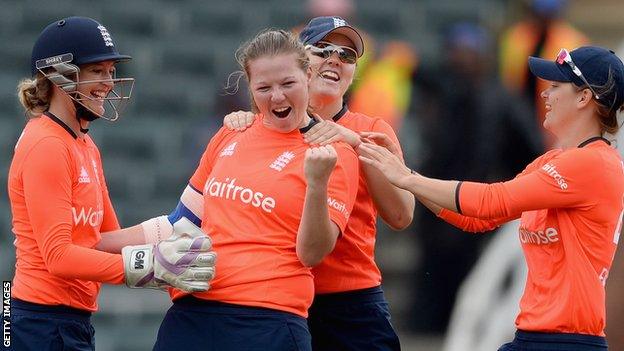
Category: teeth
[99,94]
[281,109]
[330,75]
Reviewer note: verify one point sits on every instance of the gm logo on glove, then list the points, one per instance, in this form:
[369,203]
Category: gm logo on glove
[138,259]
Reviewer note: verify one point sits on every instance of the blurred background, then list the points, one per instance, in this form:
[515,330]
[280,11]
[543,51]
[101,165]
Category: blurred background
[449,75]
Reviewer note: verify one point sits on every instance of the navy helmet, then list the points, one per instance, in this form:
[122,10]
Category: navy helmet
[66,44]
[84,38]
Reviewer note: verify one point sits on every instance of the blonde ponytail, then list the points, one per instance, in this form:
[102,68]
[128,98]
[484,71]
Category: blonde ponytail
[34,95]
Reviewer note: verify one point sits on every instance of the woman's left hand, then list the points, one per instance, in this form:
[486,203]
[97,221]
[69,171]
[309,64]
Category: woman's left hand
[327,132]
[390,165]
[319,163]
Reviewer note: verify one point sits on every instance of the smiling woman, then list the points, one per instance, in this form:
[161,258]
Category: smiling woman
[570,224]
[274,207]
[59,198]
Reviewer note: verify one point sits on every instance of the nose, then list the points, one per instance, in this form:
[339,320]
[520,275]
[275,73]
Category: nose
[334,58]
[277,95]
[544,94]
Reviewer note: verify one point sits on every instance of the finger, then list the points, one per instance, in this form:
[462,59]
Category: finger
[236,123]
[319,129]
[205,260]
[369,161]
[202,274]
[249,119]
[196,286]
[315,116]
[333,139]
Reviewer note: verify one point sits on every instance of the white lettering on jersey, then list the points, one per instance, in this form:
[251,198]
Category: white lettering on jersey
[95,170]
[230,191]
[84,176]
[91,217]
[540,237]
[604,274]
[340,206]
[228,150]
[552,171]
[282,160]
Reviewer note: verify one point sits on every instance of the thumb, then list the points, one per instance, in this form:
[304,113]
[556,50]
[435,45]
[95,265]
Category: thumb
[315,116]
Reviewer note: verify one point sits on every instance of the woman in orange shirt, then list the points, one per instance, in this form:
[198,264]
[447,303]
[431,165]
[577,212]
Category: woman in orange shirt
[273,206]
[570,201]
[349,311]
[60,202]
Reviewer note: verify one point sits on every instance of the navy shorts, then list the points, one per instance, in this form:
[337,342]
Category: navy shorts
[532,341]
[39,327]
[194,324]
[352,320]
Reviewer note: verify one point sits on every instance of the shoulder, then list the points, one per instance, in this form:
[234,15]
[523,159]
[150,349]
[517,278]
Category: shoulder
[360,122]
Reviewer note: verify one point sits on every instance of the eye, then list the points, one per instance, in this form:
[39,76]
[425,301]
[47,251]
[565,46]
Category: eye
[289,83]
[262,88]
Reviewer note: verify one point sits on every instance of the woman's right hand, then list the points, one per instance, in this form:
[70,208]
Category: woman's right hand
[239,120]
[319,164]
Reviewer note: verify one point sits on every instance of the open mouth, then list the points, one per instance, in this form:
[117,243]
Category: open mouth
[282,112]
[99,95]
[330,75]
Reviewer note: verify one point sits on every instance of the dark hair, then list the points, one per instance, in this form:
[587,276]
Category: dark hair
[606,109]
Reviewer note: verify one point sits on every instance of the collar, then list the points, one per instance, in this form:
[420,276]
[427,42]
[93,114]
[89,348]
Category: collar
[340,113]
[591,140]
[61,123]
[312,123]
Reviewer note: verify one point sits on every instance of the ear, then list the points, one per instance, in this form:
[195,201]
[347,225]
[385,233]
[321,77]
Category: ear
[309,73]
[585,98]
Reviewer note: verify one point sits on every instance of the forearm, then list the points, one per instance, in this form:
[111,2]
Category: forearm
[69,261]
[151,231]
[395,205]
[436,192]
[115,240]
[317,233]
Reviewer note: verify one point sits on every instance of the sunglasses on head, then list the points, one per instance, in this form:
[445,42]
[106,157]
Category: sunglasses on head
[325,50]
[564,57]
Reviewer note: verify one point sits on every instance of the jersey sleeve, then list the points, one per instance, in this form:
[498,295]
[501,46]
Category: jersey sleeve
[343,185]
[382,126]
[47,178]
[471,224]
[563,181]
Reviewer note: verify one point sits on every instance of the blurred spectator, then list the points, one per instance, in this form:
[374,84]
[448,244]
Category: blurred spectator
[541,33]
[465,117]
[385,87]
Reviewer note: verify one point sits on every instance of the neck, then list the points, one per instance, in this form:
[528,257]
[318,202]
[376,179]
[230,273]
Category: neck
[579,133]
[326,108]
[66,112]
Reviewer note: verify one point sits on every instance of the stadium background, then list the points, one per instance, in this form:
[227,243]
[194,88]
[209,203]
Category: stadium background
[183,52]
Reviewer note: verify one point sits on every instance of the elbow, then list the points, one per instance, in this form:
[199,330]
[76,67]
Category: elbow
[311,257]
[310,260]
[399,220]
[58,270]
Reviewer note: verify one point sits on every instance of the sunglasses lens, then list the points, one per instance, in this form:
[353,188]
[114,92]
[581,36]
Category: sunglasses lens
[325,50]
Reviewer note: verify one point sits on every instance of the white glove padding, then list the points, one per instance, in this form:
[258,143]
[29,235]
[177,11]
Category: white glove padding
[183,261]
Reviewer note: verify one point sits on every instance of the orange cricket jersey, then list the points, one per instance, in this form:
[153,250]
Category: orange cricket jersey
[254,189]
[351,265]
[60,203]
[571,205]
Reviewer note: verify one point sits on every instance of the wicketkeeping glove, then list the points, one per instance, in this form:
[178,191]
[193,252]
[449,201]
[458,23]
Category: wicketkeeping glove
[183,261]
